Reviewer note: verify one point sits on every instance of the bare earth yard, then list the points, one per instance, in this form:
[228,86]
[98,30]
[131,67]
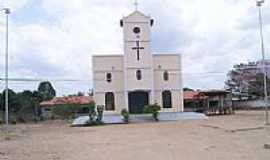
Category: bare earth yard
[237,137]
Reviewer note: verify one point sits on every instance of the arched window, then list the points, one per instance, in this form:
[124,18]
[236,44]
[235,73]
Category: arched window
[109,101]
[139,74]
[167,99]
[166,76]
[109,77]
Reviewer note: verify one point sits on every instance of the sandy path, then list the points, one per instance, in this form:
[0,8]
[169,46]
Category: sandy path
[237,137]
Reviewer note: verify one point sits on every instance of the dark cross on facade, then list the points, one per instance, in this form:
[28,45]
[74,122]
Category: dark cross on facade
[138,48]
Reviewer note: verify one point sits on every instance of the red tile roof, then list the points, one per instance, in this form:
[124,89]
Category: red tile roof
[191,95]
[81,100]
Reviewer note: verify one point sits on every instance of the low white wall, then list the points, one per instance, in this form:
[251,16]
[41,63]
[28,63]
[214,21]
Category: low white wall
[247,104]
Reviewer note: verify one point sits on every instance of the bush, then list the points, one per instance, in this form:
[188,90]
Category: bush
[13,121]
[92,114]
[95,117]
[125,115]
[68,111]
[52,117]
[153,109]
[100,110]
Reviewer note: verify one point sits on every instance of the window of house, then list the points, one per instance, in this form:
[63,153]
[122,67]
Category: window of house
[139,74]
[166,76]
[167,99]
[109,77]
[109,101]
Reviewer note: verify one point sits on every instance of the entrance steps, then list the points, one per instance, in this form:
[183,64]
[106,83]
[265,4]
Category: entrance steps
[141,118]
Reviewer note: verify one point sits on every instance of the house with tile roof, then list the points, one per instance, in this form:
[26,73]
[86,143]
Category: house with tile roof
[78,101]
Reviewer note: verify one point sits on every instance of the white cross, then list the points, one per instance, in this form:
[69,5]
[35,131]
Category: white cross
[136,5]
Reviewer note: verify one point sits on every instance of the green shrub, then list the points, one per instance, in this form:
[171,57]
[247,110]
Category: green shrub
[100,109]
[52,117]
[153,109]
[92,114]
[13,121]
[42,118]
[68,111]
[125,115]
[95,115]
[21,120]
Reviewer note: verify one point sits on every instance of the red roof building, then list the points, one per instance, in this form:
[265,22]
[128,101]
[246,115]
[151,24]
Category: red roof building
[79,100]
[193,95]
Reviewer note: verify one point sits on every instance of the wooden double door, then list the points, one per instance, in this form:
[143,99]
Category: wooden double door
[137,100]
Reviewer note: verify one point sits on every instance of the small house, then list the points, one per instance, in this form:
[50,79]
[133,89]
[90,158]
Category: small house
[79,101]
[209,102]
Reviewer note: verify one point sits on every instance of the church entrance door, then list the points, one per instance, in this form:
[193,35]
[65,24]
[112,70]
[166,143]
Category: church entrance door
[137,100]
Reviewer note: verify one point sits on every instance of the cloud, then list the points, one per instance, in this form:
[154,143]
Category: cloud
[55,39]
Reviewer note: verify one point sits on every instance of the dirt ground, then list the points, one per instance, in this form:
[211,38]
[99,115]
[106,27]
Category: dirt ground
[237,137]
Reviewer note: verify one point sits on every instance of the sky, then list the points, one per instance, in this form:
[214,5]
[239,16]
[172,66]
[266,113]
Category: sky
[55,39]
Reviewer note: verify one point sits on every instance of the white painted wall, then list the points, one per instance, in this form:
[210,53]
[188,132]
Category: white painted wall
[124,67]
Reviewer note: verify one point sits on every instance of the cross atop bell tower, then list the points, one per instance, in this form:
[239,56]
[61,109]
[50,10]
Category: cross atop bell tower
[136,4]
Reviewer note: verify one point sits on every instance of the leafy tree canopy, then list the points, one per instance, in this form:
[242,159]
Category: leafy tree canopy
[188,89]
[246,82]
[46,91]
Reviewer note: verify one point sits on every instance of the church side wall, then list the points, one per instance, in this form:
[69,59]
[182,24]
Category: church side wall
[107,62]
[119,101]
[177,105]
[101,66]
[172,64]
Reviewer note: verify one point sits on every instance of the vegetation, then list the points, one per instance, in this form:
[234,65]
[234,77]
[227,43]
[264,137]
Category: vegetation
[244,82]
[92,114]
[95,117]
[24,106]
[153,109]
[125,115]
[187,89]
[46,91]
[69,111]
[100,110]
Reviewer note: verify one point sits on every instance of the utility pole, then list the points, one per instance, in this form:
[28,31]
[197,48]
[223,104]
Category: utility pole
[259,5]
[6,12]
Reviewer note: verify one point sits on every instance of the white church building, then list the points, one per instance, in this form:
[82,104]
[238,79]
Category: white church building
[138,77]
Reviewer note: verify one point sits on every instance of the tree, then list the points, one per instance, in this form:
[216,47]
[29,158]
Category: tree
[46,91]
[257,86]
[80,94]
[2,102]
[91,92]
[188,89]
[246,80]
[29,106]
[23,106]
[12,100]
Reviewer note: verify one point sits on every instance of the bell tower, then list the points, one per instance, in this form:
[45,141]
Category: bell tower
[137,38]
[138,59]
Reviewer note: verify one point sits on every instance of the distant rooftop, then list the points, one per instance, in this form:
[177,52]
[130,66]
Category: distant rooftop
[80,100]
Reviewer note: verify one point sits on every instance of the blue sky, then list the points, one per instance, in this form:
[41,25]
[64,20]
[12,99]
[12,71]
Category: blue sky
[54,39]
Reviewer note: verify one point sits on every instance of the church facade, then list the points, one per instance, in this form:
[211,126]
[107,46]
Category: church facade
[138,77]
